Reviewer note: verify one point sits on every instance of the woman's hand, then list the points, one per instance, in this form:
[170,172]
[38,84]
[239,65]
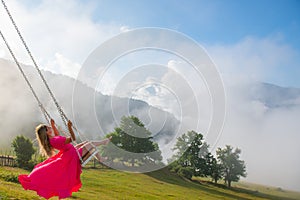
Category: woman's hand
[70,123]
[71,130]
[54,127]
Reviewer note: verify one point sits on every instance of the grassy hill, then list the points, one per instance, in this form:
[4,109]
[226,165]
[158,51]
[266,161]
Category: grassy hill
[112,184]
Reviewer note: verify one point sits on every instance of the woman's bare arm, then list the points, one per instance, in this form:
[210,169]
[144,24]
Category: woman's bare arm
[54,127]
[71,130]
[68,140]
[72,138]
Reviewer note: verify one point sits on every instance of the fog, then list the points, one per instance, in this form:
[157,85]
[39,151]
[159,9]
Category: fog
[17,106]
[94,114]
[268,138]
[260,120]
[264,125]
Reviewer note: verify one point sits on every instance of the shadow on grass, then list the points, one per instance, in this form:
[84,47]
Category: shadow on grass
[254,193]
[259,194]
[165,175]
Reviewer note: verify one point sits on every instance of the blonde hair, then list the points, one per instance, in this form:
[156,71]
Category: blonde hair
[44,143]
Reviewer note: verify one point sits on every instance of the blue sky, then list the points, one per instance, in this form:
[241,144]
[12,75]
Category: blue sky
[214,24]
[217,23]
[210,22]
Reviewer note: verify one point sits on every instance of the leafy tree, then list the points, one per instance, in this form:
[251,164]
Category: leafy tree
[191,154]
[24,150]
[133,137]
[215,169]
[186,172]
[233,168]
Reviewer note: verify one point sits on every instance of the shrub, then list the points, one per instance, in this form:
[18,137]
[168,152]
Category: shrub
[24,150]
[9,177]
[186,172]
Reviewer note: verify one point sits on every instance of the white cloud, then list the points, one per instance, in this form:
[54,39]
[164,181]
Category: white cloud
[266,135]
[254,59]
[124,28]
[250,125]
[62,65]
[53,30]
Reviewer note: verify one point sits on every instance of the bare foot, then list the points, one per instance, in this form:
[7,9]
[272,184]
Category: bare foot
[106,141]
[103,159]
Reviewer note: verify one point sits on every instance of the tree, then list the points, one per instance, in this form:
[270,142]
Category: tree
[215,169]
[24,150]
[233,168]
[191,154]
[133,137]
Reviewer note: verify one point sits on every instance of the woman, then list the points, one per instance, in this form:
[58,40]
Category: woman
[59,175]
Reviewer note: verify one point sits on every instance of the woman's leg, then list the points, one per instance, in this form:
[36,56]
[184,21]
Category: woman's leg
[80,144]
[101,142]
[88,148]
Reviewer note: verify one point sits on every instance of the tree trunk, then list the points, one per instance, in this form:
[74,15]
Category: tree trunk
[229,183]
[216,180]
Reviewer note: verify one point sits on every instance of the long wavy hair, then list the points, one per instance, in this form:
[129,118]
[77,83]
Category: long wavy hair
[44,143]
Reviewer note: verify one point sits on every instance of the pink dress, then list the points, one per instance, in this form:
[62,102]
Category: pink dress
[58,175]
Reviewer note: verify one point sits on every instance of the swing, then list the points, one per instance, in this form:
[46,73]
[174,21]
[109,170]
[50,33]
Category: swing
[91,152]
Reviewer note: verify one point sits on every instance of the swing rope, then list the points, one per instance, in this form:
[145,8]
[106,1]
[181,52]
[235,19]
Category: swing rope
[46,114]
[61,112]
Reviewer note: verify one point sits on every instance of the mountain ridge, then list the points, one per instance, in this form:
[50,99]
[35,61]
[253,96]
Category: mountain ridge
[81,107]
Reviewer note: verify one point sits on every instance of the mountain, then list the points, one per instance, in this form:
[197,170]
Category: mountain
[93,113]
[273,96]
[96,114]
[260,115]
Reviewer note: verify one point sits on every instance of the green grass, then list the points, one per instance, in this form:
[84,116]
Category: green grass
[257,190]
[112,184]
[267,190]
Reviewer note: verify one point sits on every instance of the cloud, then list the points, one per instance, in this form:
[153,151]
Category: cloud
[53,30]
[261,119]
[266,135]
[16,118]
[62,65]
[267,59]
[124,28]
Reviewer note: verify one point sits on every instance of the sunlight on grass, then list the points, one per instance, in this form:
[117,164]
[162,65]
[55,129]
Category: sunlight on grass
[111,184]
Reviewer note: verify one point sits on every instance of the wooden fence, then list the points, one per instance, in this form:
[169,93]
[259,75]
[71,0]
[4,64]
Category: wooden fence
[6,160]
